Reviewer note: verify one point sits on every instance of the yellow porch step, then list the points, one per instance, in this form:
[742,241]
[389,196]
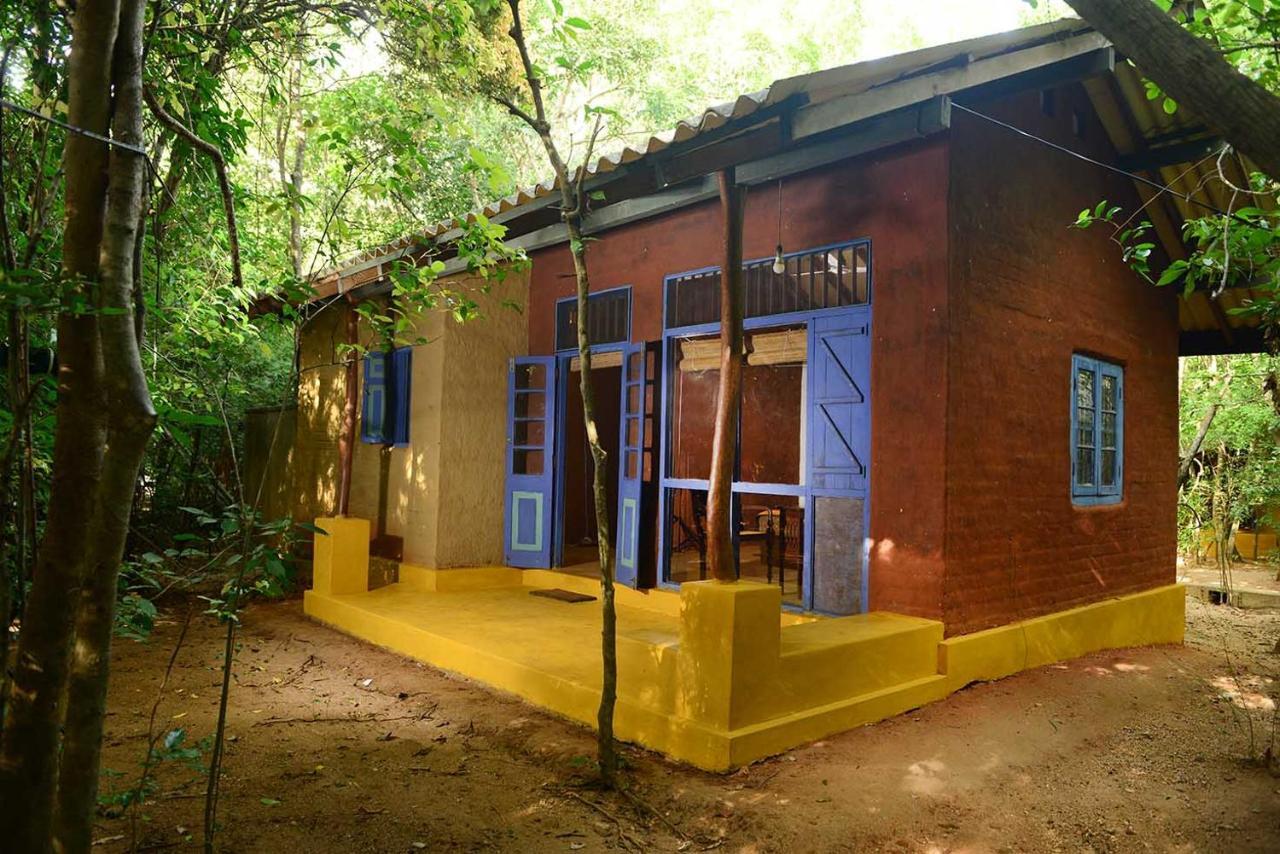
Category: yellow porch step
[830,660]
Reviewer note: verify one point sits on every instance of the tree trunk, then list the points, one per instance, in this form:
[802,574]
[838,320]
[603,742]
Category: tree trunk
[573,207]
[130,420]
[606,749]
[1184,467]
[29,764]
[1194,74]
[720,559]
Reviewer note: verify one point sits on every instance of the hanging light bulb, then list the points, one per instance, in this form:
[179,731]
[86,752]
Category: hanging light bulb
[779,265]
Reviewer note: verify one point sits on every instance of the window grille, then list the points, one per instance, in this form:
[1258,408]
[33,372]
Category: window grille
[810,281]
[609,320]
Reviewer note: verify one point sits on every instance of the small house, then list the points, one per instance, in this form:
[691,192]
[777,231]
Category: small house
[957,450]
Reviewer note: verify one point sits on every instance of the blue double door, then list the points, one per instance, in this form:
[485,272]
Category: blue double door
[535,454]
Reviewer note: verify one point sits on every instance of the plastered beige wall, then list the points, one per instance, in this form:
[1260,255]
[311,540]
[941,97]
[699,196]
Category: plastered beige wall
[473,442]
[443,493]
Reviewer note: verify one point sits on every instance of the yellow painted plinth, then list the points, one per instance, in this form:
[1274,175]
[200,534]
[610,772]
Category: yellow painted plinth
[1137,619]
[721,680]
[341,560]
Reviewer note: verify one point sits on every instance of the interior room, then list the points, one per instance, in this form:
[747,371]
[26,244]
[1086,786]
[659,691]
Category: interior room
[578,519]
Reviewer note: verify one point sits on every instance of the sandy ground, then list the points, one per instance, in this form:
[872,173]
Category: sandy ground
[339,746]
[1244,576]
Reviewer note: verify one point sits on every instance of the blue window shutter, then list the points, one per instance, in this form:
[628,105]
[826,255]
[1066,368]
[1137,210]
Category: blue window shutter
[1097,431]
[1112,374]
[401,382]
[373,412]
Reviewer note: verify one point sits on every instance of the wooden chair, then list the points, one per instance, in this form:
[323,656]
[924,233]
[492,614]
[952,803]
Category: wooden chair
[784,545]
[695,535]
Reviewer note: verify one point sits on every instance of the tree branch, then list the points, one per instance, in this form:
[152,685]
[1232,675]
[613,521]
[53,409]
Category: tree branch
[220,167]
[1194,73]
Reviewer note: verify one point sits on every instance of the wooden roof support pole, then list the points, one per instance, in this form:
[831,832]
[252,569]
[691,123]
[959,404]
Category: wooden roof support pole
[347,439]
[720,558]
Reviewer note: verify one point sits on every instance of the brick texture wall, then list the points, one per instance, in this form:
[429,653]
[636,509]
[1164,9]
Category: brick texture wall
[1026,293]
[897,198]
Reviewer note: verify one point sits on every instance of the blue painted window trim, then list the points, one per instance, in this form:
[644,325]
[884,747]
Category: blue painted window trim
[384,410]
[765,320]
[1095,492]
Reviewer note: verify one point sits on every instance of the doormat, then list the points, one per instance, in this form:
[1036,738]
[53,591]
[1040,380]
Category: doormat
[562,595]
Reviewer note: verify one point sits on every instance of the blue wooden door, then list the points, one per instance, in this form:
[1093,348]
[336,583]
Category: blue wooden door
[531,426]
[631,459]
[839,420]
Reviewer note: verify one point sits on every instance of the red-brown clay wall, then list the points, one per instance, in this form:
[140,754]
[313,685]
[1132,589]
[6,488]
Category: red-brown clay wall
[896,198]
[1026,293]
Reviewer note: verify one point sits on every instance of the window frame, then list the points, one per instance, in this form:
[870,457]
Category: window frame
[596,346]
[1096,493]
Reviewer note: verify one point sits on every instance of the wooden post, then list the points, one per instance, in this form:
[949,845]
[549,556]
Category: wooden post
[347,440]
[729,397]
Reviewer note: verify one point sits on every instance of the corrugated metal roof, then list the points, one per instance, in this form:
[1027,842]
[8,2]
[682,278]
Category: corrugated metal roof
[1134,122]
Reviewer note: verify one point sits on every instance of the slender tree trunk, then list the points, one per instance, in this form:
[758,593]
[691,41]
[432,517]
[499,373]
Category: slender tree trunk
[573,207]
[1193,73]
[606,748]
[29,764]
[130,421]
[720,559]
[1184,467]
[215,755]
[294,181]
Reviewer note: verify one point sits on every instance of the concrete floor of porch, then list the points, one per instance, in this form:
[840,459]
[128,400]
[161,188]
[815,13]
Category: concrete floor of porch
[717,675]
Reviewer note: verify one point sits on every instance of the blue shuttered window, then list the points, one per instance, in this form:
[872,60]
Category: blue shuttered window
[384,414]
[1097,431]
[401,373]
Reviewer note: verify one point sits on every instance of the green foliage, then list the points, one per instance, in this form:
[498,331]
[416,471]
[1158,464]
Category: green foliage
[1135,248]
[1239,246]
[173,748]
[1233,479]
[250,552]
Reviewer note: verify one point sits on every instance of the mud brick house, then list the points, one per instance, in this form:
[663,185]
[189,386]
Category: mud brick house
[957,450]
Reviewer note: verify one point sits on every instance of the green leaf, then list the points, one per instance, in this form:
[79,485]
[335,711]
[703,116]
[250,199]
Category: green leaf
[269,802]
[1172,273]
[577,22]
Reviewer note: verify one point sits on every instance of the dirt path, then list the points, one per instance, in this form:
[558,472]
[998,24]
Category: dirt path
[338,746]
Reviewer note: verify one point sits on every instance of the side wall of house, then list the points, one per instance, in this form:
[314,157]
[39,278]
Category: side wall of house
[897,198]
[1026,293]
[447,514]
[321,392]
[473,433]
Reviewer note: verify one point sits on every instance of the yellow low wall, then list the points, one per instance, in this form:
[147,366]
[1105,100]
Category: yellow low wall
[711,675]
[1138,619]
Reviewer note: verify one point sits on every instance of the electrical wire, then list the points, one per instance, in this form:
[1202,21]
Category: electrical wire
[115,143]
[1155,185]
